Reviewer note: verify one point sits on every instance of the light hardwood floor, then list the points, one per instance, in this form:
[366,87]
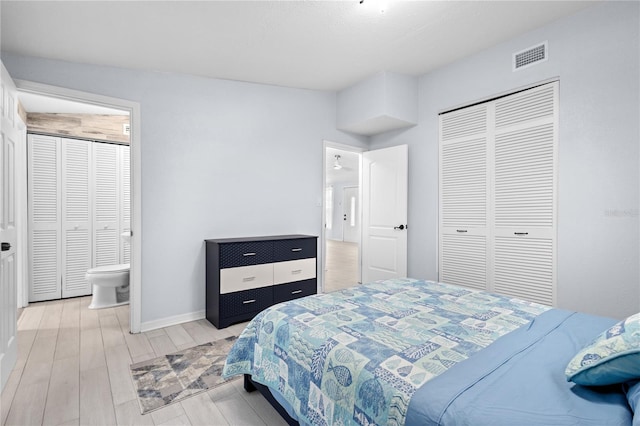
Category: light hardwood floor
[73,369]
[342,265]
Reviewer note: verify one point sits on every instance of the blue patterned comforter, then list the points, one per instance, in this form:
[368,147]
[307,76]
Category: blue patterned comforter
[356,356]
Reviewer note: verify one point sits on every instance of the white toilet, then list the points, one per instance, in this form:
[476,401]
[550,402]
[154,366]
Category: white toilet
[110,283]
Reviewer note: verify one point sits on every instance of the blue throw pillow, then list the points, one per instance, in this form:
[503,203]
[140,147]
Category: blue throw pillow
[613,357]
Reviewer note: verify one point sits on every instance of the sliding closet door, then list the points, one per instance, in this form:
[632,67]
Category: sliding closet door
[44,217]
[125,201]
[76,217]
[524,195]
[464,197]
[106,238]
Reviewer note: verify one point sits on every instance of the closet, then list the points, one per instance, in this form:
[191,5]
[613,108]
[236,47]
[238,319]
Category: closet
[78,203]
[498,195]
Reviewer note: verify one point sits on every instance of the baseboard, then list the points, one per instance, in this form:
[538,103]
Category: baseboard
[174,320]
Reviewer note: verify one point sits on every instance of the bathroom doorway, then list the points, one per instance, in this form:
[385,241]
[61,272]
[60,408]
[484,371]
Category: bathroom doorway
[133,186]
[341,262]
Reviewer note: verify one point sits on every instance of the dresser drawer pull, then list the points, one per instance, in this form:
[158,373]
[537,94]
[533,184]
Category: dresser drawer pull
[296,249]
[246,302]
[296,292]
[249,254]
[247,279]
[296,271]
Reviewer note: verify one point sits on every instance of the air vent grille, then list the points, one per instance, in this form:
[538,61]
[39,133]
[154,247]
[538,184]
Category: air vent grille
[530,56]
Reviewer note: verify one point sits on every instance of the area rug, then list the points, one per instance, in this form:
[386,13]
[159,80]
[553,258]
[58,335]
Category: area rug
[170,378]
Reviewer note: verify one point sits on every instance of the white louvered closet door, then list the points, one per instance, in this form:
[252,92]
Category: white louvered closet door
[76,217]
[44,217]
[524,195]
[125,201]
[497,195]
[106,237]
[464,192]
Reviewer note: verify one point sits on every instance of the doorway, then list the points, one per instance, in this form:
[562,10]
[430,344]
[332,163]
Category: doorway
[341,242]
[133,109]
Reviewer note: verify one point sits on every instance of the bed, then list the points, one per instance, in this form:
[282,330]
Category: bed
[414,352]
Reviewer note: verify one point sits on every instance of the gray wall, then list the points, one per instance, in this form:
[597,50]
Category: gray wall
[219,159]
[595,54]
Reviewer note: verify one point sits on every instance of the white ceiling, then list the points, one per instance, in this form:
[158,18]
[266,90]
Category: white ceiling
[325,45]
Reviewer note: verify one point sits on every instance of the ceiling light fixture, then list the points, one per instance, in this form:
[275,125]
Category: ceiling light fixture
[336,163]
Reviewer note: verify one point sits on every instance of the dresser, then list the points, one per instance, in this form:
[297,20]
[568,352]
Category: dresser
[246,275]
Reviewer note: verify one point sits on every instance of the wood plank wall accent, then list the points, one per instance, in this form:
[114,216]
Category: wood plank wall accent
[99,127]
[22,112]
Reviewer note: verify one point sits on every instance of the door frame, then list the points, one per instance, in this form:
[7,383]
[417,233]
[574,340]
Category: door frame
[133,108]
[323,242]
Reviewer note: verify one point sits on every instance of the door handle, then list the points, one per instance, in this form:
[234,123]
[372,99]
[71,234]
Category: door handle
[6,246]
[401,227]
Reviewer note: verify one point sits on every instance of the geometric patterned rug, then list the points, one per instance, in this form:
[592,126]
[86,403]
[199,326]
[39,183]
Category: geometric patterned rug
[169,378]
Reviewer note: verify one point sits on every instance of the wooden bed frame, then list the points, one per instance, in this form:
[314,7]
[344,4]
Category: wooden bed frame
[250,386]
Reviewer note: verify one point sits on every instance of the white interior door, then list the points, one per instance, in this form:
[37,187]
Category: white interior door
[351,215]
[384,218]
[9,141]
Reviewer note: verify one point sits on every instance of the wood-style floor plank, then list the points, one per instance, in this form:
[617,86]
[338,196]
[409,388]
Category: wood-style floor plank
[138,344]
[128,414]
[201,410]
[162,345]
[96,403]
[63,402]
[233,407]
[118,361]
[179,336]
[91,349]
[214,332]
[8,394]
[111,331]
[260,405]
[88,317]
[28,405]
[68,344]
[182,420]
[167,413]
[198,333]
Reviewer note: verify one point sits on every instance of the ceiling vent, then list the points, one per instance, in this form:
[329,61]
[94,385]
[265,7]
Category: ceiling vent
[530,56]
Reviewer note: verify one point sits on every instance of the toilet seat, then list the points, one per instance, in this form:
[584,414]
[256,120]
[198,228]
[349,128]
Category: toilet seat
[123,267]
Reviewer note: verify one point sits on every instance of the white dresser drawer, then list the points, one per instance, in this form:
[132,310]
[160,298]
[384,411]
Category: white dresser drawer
[245,278]
[294,270]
